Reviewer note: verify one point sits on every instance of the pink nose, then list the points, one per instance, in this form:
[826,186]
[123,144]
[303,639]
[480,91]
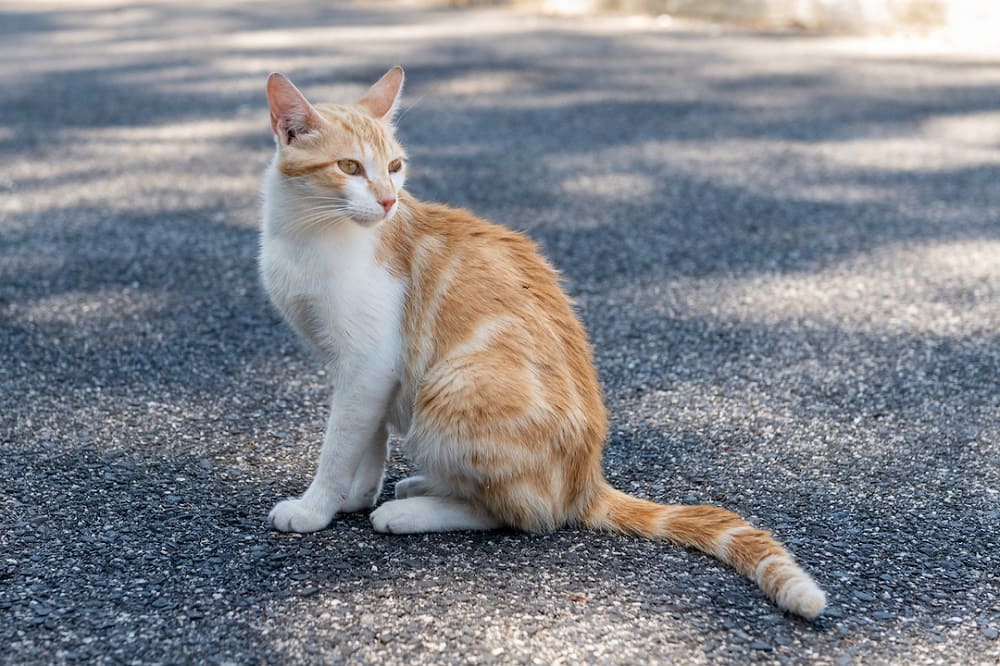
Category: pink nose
[387,204]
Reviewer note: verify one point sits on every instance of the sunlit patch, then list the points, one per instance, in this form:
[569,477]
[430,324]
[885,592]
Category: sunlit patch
[910,153]
[950,290]
[980,130]
[136,168]
[485,83]
[201,130]
[80,308]
[621,186]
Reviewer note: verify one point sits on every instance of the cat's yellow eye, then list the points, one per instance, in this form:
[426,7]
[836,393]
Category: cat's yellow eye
[395,165]
[350,167]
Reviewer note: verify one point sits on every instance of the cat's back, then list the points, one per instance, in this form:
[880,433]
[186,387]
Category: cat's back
[485,312]
[457,240]
[464,271]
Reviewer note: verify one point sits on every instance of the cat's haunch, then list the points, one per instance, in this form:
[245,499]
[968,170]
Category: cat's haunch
[456,333]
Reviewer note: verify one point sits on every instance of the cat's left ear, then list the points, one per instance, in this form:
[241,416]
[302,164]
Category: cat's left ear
[382,99]
[291,112]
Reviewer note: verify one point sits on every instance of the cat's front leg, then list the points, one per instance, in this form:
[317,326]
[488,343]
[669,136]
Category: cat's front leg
[367,482]
[354,426]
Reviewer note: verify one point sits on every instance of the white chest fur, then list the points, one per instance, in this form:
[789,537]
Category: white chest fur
[330,287]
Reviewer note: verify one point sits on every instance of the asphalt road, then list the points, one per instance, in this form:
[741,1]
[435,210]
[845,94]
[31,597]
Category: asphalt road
[786,249]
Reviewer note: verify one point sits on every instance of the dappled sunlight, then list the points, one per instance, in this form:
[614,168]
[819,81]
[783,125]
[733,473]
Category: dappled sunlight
[784,249]
[932,289]
[184,137]
[801,170]
[172,188]
[978,130]
[151,186]
[86,309]
[447,24]
[612,187]
[863,170]
[747,417]
[126,166]
[578,603]
[916,154]
[556,102]
[485,83]
[244,69]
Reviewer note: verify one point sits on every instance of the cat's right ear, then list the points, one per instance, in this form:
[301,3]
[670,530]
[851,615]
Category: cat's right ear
[382,99]
[291,112]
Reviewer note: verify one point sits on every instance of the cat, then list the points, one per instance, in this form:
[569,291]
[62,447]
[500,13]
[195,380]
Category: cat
[455,332]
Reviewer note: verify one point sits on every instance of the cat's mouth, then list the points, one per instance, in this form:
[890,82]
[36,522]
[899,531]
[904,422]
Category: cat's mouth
[371,218]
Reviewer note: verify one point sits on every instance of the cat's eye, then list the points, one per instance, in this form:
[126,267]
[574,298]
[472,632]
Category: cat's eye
[395,165]
[350,167]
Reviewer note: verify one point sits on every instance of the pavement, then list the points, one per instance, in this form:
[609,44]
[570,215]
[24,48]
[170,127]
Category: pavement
[786,250]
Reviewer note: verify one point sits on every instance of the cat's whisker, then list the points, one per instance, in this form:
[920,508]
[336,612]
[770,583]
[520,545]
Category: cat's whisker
[324,220]
[323,198]
[328,215]
[320,217]
[331,208]
[409,108]
[328,208]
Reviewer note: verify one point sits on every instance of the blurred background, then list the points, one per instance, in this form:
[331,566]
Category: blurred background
[965,18]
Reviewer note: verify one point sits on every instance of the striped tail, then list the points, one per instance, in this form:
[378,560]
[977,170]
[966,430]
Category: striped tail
[752,552]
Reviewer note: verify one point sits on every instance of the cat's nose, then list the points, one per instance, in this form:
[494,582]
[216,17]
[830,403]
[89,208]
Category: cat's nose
[387,204]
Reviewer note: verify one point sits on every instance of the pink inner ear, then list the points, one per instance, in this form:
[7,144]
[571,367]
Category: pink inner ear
[291,112]
[381,99]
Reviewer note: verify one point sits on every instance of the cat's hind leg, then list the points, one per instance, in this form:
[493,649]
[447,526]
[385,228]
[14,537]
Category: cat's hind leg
[430,514]
[413,486]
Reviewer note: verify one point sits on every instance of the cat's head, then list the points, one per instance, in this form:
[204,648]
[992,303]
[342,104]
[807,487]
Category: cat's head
[342,159]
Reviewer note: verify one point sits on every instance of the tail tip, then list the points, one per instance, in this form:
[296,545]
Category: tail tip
[803,597]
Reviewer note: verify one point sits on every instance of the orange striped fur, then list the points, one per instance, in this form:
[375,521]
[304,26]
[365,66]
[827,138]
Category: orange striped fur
[497,395]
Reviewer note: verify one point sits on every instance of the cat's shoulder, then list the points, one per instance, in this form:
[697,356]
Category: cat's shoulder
[459,228]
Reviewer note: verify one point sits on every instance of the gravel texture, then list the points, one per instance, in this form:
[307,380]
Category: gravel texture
[786,249]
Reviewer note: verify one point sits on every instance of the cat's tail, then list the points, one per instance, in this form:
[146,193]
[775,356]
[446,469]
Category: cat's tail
[752,552]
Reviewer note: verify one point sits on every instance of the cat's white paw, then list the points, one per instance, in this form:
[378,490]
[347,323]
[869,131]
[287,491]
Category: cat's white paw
[399,517]
[296,515]
[429,514]
[413,486]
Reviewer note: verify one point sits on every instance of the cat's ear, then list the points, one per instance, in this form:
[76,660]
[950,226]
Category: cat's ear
[382,99]
[291,112]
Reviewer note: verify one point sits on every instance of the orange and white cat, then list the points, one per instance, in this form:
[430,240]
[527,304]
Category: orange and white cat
[454,332]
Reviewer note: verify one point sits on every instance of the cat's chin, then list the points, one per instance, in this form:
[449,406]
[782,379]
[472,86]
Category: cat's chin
[370,221]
